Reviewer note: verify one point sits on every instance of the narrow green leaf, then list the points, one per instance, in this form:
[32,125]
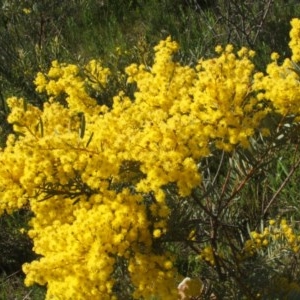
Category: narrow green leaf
[25,106]
[282,168]
[296,68]
[18,124]
[90,139]
[82,126]
[76,201]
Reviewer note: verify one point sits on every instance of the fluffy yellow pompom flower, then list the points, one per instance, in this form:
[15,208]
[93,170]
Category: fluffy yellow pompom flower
[295,40]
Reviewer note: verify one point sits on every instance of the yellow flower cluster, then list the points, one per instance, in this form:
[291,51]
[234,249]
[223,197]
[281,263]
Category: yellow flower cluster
[79,255]
[96,75]
[208,255]
[144,268]
[258,241]
[290,236]
[26,11]
[223,99]
[63,161]
[295,40]
[281,85]
[276,234]
[64,81]
[180,111]
[66,162]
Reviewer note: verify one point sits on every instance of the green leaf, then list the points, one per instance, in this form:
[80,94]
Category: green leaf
[25,106]
[82,126]
[296,68]
[90,139]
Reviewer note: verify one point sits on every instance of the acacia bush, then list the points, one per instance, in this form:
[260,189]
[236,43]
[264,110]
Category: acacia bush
[176,171]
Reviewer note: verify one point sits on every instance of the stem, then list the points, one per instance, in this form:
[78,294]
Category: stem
[287,179]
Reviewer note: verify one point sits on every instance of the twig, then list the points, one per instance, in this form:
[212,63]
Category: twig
[27,295]
[9,276]
[262,20]
[292,171]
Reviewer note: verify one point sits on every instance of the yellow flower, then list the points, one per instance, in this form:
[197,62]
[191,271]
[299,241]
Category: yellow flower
[157,233]
[26,11]
[254,235]
[275,56]
[168,265]
[272,222]
[218,49]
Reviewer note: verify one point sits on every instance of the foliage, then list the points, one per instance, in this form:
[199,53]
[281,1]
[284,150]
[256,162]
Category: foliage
[12,288]
[177,164]
[12,252]
[237,162]
[15,249]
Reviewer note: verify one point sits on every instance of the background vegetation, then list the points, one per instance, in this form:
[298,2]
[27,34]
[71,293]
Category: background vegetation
[34,33]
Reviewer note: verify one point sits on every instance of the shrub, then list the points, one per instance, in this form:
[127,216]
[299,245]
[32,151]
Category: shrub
[120,193]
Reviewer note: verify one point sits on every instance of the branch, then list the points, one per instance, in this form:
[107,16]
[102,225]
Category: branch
[292,171]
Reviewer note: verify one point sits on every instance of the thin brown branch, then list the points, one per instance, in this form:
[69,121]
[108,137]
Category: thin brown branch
[284,183]
[262,20]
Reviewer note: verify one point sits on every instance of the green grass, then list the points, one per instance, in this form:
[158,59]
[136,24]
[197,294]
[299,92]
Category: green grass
[16,249]
[12,288]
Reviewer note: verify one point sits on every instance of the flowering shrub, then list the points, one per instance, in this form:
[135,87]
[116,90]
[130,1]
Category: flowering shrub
[282,236]
[103,183]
